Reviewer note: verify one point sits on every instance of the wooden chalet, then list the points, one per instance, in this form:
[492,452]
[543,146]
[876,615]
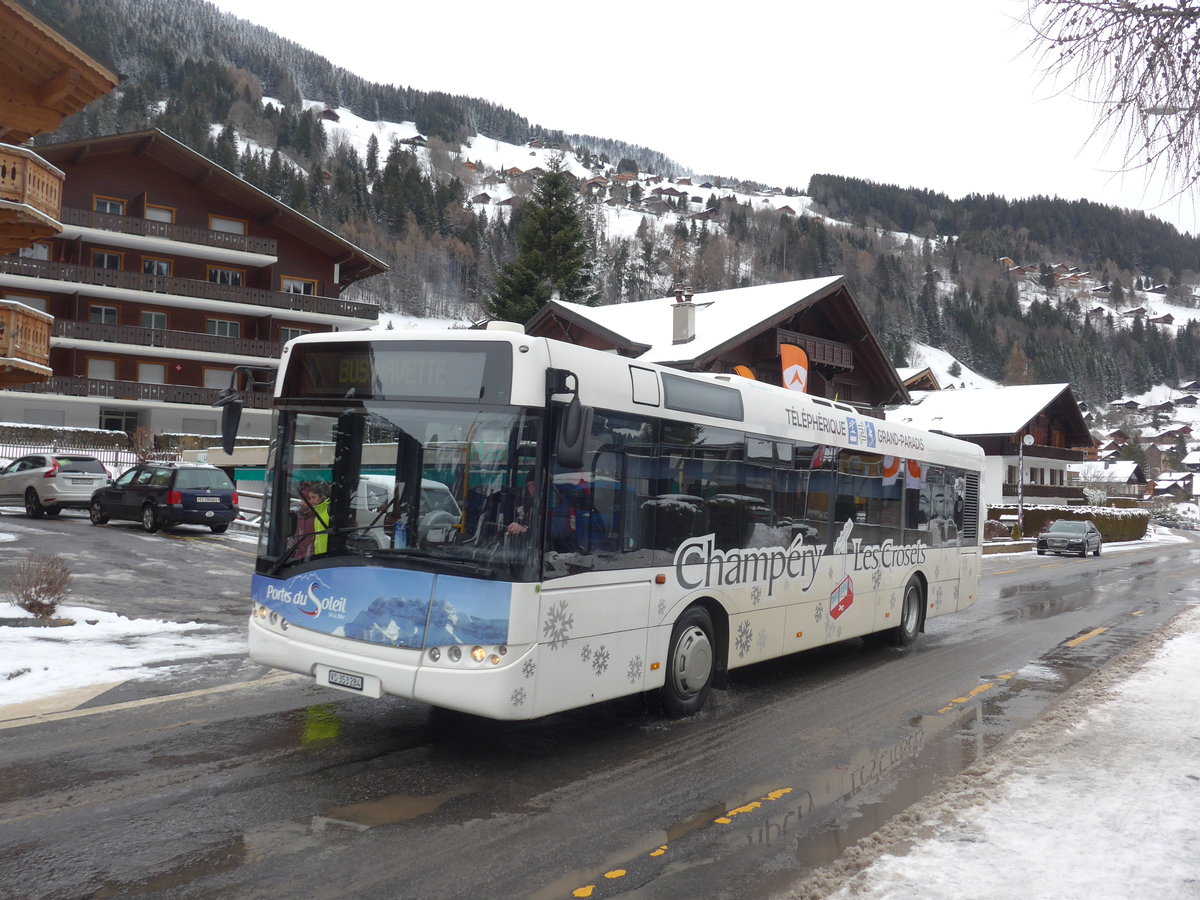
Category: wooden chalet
[43,79]
[716,331]
[997,419]
[170,271]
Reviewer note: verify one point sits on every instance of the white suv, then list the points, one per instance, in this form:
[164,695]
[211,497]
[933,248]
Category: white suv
[47,483]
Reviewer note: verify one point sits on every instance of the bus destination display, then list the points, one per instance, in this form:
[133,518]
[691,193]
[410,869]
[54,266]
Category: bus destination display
[479,372]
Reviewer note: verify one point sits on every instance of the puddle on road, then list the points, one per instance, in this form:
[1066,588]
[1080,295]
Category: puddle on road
[387,810]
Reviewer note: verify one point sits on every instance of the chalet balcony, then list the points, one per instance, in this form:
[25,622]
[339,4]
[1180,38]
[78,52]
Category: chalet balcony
[30,198]
[169,231]
[1038,451]
[175,340]
[186,287]
[71,386]
[1035,492]
[24,344]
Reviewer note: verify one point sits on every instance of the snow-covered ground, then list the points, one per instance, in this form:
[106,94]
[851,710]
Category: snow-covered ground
[1099,799]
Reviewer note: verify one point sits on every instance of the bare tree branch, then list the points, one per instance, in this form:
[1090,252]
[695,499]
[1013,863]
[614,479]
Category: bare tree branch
[1137,61]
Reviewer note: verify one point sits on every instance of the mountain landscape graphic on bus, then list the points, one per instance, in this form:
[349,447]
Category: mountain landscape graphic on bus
[398,621]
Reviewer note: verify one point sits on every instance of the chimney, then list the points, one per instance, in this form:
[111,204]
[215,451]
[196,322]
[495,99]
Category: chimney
[683,322]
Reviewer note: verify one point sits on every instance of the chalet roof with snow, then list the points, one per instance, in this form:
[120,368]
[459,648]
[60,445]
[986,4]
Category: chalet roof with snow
[995,411]
[1119,471]
[743,326]
[917,379]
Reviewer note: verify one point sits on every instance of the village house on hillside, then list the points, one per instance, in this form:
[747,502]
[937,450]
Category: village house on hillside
[720,331]
[998,418]
[170,271]
[1118,478]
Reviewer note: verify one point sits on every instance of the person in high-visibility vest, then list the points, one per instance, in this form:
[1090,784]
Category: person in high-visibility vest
[313,519]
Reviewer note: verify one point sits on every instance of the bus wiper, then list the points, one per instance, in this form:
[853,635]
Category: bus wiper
[298,539]
[424,556]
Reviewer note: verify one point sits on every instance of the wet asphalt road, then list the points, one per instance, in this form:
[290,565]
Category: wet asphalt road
[241,783]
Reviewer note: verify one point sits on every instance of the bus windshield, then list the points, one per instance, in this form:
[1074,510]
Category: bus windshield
[443,488]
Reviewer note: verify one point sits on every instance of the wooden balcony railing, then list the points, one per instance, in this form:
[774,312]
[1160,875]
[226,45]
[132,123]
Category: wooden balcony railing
[186,233]
[819,350]
[1039,451]
[175,340]
[27,178]
[30,198]
[24,343]
[135,390]
[186,287]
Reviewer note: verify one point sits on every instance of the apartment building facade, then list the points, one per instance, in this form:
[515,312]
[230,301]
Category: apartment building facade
[170,271]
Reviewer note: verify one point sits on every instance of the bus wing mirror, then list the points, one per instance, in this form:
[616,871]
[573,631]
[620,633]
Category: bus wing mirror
[230,402]
[573,431]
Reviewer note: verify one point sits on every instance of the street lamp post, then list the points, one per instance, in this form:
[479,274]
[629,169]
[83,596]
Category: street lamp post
[1025,441]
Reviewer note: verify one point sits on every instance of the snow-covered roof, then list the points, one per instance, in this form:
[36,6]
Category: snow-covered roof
[1120,471]
[720,317]
[977,411]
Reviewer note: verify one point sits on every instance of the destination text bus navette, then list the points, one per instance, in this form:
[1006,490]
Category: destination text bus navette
[513,526]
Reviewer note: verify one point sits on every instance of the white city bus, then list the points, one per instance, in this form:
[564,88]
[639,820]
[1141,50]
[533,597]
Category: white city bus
[587,526]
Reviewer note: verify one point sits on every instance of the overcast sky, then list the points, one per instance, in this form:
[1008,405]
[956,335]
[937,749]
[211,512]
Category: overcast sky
[936,94]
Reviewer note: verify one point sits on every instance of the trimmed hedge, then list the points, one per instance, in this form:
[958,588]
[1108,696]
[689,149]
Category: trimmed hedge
[1114,524]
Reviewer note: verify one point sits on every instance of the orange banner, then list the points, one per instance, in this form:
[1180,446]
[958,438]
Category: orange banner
[744,372]
[795,367]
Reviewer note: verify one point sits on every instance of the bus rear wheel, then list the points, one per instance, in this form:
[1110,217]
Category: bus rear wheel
[905,634]
[690,665]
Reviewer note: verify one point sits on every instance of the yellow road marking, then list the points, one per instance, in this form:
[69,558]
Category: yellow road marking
[986,686]
[1075,642]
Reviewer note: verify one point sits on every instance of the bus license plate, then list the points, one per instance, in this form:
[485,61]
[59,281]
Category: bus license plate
[341,679]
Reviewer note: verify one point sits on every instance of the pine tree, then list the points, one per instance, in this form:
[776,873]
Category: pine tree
[554,255]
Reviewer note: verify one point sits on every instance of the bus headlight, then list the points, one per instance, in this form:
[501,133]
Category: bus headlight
[455,653]
[435,653]
[478,654]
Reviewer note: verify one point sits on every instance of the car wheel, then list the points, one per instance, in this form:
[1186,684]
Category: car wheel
[219,529]
[149,519]
[1041,552]
[690,664]
[53,511]
[1097,553]
[96,513]
[1083,550]
[33,504]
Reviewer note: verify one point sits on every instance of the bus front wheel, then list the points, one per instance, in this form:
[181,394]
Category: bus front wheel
[691,664]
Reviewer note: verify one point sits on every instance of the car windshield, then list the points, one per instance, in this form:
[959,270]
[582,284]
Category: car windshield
[80,464]
[434,487]
[1062,527]
[199,479]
